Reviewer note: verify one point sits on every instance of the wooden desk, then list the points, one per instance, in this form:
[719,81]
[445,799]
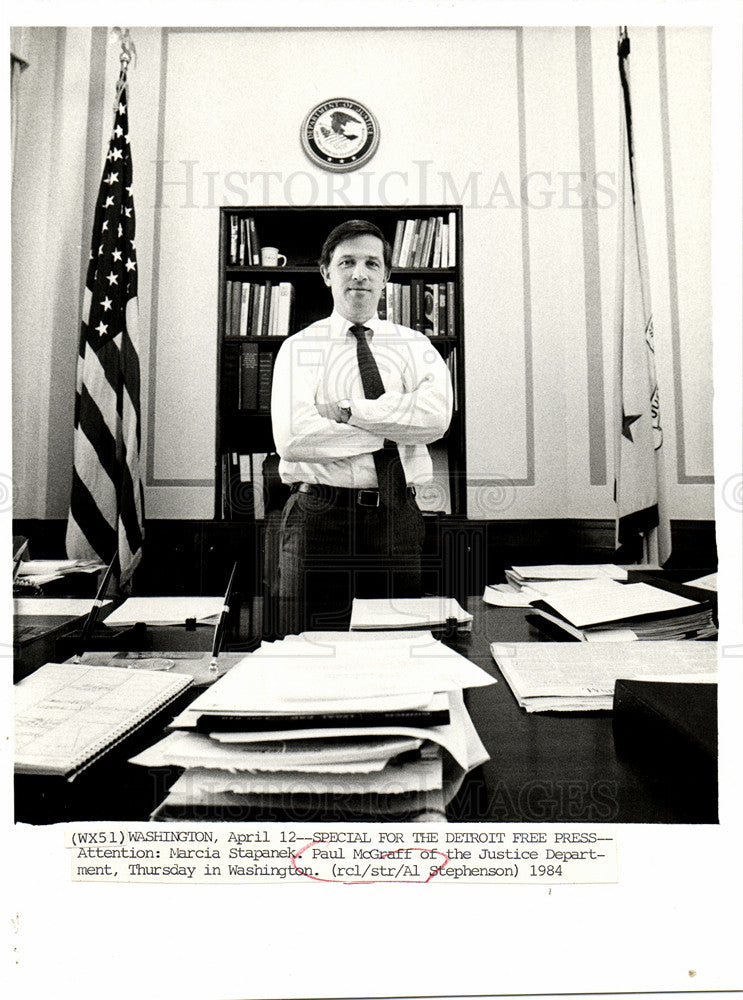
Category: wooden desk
[556,767]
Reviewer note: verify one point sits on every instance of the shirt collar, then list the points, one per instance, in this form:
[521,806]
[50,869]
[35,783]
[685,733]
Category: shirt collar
[339,325]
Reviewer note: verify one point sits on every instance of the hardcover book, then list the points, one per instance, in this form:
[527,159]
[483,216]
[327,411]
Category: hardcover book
[265,378]
[249,377]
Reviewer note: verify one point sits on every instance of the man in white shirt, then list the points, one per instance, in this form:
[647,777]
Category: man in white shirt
[343,533]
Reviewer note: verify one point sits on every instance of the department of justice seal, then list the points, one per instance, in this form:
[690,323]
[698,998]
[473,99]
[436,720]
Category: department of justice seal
[340,134]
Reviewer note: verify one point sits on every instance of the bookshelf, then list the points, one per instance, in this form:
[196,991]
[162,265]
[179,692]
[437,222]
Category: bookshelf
[259,306]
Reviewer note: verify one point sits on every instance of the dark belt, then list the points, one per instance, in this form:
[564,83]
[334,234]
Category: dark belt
[343,494]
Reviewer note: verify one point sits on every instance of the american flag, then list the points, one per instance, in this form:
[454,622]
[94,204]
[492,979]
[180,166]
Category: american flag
[643,525]
[106,503]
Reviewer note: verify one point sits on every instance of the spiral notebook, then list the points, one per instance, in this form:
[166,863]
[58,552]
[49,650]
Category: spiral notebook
[67,714]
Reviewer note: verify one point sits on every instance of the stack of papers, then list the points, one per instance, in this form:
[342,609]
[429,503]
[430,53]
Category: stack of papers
[526,584]
[592,604]
[383,614]
[607,610]
[560,677]
[347,726]
[166,610]
[37,572]
[62,607]
[521,575]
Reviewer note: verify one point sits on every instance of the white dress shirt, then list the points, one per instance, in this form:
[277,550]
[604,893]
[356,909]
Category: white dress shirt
[317,367]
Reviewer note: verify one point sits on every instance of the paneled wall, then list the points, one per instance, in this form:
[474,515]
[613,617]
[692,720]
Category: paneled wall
[518,125]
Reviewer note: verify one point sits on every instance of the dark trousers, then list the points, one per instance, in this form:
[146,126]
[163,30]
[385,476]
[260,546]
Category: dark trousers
[331,550]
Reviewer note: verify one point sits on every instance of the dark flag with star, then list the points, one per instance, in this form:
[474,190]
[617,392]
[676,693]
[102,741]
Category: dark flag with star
[643,527]
[106,503]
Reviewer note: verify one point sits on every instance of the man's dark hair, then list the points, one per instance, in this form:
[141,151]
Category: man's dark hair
[347,231]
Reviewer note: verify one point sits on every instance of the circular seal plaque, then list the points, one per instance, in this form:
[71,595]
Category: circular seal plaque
[340,134]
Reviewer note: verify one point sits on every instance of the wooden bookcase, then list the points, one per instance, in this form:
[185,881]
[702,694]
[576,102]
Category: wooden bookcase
[298,233]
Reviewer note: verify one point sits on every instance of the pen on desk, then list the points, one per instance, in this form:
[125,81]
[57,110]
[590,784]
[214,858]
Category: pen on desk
[98,603]
[220,626]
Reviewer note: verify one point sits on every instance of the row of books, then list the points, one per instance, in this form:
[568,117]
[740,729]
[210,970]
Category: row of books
[258,310]
[430,242]
[245,248]
[247,374]
[250,389]
[243,487]
[424,306]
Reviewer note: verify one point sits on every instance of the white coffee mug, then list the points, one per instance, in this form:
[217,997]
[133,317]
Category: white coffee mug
[270,257]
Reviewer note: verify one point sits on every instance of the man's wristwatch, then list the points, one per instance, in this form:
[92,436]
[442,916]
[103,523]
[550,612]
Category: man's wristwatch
[344,408]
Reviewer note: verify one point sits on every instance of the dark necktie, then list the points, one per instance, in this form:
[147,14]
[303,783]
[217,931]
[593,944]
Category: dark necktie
[390,475]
